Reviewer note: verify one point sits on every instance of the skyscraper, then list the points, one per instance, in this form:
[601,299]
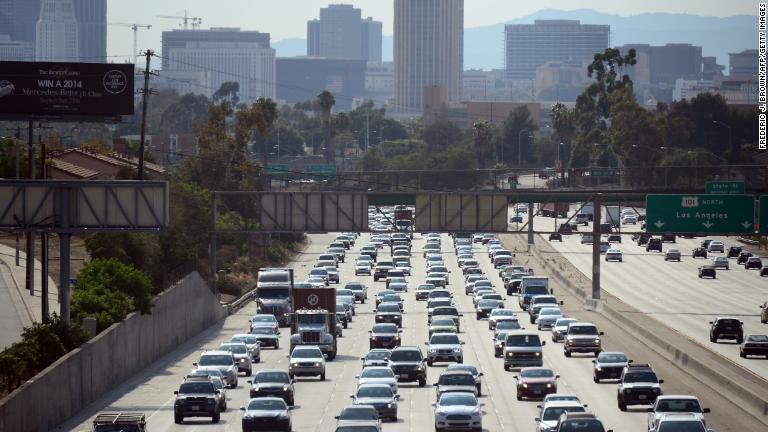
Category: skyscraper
[340,33]
[18,19]
[57,32]
[371,40]
[179,39]
[313,38]
[91,18]
[429,50]
[528,46]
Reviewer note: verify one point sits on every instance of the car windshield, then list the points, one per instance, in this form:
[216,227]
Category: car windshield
[358,413]
[357,429]
[435,294]
[438,269]
[306,353]
[443,322]
[377,373]
[267,404]
[553,413]
[536,290]
[273,293]
[523,340]
[582,426]
[488,303]
[237,349]
[250,340]
[445,339]
[388,308]
[469,368]
[272,377]
[502,312]
[757,338]
[611,358]
[438,303]
[582,330]
[550,311]
[263,319]
[377,355]
[427,287]
[405,356]
[374,392]
[682,426]
[263,331]
[564,322]
[384,328]
[196,387]
[678,405]
[457,379]
[508,325]
[500,336]
[216,360]
[645,377]
[458,399]
[537,373]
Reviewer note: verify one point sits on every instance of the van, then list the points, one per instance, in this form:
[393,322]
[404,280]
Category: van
[523,349]
[531,286]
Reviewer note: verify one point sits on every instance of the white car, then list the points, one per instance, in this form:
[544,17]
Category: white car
[378,375]
[461,406]
[547,318]
[550,413]
[720,262]
[306,360]
[716,246]
[629,220]
[614,255]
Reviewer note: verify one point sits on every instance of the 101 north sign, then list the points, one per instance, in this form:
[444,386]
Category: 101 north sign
[725,214]
[43,89]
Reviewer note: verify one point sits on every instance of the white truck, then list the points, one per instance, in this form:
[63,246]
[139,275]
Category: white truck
[611,215]
[531,286]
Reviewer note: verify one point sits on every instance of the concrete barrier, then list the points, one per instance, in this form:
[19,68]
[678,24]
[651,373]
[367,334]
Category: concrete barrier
[112,357]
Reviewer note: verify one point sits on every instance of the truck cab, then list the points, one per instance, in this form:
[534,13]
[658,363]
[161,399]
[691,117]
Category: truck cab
[314,322]
[273,293]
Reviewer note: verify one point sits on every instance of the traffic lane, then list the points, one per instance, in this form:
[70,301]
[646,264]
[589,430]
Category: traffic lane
[575,372]
[672,293]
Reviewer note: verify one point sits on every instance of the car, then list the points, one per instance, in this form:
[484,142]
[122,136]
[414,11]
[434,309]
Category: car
[582,337]
[444,347]
[500,314]
[379,396]
[642,238]
[654,243]
[362,269]
[218,384]
[241,354]
[550,413]
[306,360]
[726,328]
[442,325]
[267,336]
[715,246]
[498,340]
[720,262]
[382,269]
[541,301]
[517,218]
[613,238]
[535,382]
[485,305]
[408,365]
[274,383]
[455,381]
[586,239]
[507,325]
[358,418]
[734,251]
[315,282]
[380,295]
[675,404]
[608,365]
[604,247]
[764,313]
[753,263]
[673,255]
[458,411]
[699,252]
[556,237]
[359,290]
[743,257]
[764,271]
[754,344]
[333,274]
[560,327]
[376,357]
[196,398]
[266,413]
[321,273]
[476,375]
[251,343]
[547,317]
[223,361]
[614,255]
[447,312]
[389,313]
[707,271]
[579,421]
[378,375]
[423,290]
[436,303]
[638,385]
[679,422]
[263,320]
[384,336]
[523,349]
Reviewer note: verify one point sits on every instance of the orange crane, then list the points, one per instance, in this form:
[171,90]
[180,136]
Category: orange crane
[135,28]
[186,20]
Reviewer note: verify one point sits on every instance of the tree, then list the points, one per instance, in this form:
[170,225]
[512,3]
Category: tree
[326,101]
[441,135]
[228,91]
[483,133]
[514,136]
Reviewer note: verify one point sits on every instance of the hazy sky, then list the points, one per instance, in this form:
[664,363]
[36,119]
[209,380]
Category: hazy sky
[287,18]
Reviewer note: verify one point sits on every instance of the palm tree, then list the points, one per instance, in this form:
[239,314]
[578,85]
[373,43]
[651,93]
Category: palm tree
[267,115]
[326,102]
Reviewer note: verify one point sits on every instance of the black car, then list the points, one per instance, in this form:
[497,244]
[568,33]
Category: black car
[705,243]
[272,382]
[743,257]
[726,328]
[753,263]
[756,345]
[654,243]
[707,271]
[196,399]
[266,413]
[408,365]
[384,336]
[643,238]
[382,269]
[699,252]
[389,313]
[614,238]
[764,271]
[734,251]
[608,365]
[556,237]
[638,385]
[669,238]
[565,229]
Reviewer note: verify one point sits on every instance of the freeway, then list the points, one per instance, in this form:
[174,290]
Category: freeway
[318,402]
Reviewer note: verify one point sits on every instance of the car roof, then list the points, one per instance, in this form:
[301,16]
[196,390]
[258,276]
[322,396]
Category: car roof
[456,372]
[270,371]
[216,352]
[690,397]
[563,403]
[582,323]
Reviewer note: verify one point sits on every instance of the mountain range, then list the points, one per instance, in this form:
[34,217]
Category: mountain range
[484,46]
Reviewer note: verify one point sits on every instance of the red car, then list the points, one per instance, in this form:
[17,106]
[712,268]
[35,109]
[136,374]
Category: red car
[536,382]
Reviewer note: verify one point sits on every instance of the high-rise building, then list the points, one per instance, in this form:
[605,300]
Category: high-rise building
[180,38]
[300,79]
[429,50]
[340,33]
[57,32]
[529,46]
[743,63]
[12,50]
[18,19]
[669,62]
[91,18]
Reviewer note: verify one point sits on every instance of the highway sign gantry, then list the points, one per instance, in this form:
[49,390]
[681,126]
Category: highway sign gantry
[278,169]
[725,187]
[721,214]
[324,170]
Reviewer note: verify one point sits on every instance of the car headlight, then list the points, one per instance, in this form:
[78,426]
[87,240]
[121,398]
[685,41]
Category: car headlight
[295,365]
[597,341]
[570,341]
[317,364]
[656,389]
[389,405]
[498,344]
[456,349]
[397,337]
[549,385]
[510,354]
[419,369]
[285,388]
[525,385]
[379,316]
[598,368]
[242,360]
[373,338]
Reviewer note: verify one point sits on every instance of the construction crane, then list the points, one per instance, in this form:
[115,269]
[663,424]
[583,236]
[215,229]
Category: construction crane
[186,20]
[135,28]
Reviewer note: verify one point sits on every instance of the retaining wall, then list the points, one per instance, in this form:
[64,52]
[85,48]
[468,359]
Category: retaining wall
[85,374]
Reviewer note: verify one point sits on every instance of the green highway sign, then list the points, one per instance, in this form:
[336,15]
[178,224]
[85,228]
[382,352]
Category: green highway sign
[725,187]
[764,214]
[278,169]
[724,214]
[326,170]
[602,173]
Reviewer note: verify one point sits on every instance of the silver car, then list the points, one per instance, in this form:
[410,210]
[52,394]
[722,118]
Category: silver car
[264,320]
[560,328]
[251,342]
[223,361]
[378,375]
[306,361]
[444,347]
[241,354]
[458,411]
[550,414]
[548,317]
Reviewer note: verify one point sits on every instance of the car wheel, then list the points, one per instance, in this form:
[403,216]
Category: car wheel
[739,341]
[742,355]
[322,376]
[519,396]
[567,353]
[216,417]
[277,345]
[290,375]
[178,419]
[249,372]
[595,378]
[461,360]
[506,368]
[345,324]
[429,362]
[422,382]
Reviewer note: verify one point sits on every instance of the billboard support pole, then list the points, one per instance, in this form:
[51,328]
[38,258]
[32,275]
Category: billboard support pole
[144,104]
[30,279]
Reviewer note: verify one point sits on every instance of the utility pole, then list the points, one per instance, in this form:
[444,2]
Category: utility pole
[30,274]
[596,235]
[367,130]
[145,102]
[43,247]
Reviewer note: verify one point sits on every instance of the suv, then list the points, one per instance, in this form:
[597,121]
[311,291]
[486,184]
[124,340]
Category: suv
[196,398]
[678,422]
[382,269]
[408,365]
[222,361]
[675,404]
[122,421]
[638,385]
[726,328]
[579,421]
[523,349]
[654,243]
[444,347]
[582,337]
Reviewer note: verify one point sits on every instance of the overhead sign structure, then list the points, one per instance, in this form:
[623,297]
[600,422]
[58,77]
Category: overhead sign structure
[764,214]
[725,187]
[602,173]
[278,169]
[325,170]
[722,214]
[70,90]
[313,212]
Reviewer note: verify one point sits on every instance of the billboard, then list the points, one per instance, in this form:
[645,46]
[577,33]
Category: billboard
[82,90]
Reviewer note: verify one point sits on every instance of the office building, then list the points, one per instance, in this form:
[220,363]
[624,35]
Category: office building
[18,19]
[341,33]
[57,36]
[743,63]
[91,16]
[428,50]
[529,46]
[379,82]
[198,82]
[710,69]
[11,50]
[301,79]
[669,62]
[180,38]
